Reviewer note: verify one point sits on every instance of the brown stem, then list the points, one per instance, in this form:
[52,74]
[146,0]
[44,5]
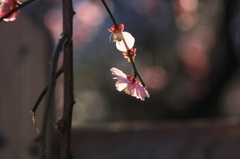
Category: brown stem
[68,13]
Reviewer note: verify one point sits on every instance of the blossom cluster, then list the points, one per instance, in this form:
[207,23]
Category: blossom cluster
[124,43]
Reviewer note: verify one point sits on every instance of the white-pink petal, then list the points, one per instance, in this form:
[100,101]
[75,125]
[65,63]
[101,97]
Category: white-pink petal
[121,85]
[138,91]
[118,73]
[129,39]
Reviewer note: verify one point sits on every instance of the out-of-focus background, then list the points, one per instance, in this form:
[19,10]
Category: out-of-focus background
[187,54]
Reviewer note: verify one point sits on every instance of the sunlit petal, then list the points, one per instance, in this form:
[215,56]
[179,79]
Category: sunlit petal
[121,85]
[129,39]
[118,73]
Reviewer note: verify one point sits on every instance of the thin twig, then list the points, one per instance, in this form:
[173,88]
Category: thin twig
[109,12]
[50,98]
[34,109]
[133,63]
[23,4]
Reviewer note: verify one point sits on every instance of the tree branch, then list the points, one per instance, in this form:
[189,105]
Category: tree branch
[68,13]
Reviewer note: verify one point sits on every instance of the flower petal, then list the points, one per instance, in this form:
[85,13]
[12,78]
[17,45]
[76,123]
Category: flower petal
[129,39]
[138,91]
[12,17]
[118,73]
[121,85]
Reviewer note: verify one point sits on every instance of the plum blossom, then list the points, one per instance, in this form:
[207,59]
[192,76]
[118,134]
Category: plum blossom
[124,40]
[129,84]
[8,5]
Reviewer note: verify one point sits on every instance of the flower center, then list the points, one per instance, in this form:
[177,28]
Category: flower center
[133,79]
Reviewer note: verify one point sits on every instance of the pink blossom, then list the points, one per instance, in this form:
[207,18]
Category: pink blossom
[6,6]
[129,84]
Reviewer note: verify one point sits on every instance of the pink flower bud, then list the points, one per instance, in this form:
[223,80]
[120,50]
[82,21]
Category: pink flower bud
[116,31]
[132,54]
